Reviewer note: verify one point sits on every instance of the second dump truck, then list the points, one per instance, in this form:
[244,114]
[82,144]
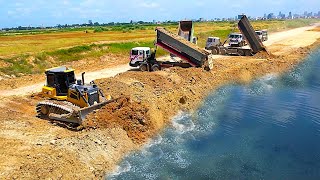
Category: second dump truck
[191,54]
[254,44]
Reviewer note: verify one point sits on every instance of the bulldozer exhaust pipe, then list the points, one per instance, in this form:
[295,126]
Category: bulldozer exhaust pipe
[83,77]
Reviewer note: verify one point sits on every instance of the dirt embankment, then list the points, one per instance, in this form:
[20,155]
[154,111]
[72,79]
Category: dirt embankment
[34,148]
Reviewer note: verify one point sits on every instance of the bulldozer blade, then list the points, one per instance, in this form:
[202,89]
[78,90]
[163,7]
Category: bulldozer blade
[82,113]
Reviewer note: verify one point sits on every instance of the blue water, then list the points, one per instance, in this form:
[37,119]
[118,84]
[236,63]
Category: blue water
[267,130]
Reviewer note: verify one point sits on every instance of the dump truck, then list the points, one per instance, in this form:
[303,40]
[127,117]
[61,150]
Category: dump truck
[254,44]
[236,40]
[262,35]
[69,100]
[186,31]
[191,54]
[259,34]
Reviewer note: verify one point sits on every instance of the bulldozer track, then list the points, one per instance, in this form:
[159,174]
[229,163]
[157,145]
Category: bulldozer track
[55,107]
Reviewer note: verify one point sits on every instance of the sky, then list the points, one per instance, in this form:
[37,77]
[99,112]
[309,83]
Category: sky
[15,13]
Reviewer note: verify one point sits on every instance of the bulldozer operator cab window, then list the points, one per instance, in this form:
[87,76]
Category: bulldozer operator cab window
[70,78]
[50,80]
[62,87]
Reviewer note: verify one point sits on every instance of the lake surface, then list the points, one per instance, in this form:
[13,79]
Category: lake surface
[269,129]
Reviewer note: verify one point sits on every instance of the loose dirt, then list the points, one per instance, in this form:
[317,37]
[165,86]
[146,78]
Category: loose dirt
[34,148]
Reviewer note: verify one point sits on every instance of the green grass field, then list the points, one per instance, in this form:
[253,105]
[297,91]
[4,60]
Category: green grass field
[28,52]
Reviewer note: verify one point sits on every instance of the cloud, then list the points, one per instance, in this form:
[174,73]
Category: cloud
[149,5]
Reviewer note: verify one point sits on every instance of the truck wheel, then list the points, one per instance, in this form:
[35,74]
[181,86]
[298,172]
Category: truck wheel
[223,52]
[215,50]
[240,52]
[248,53]
[143,67]
[155,67]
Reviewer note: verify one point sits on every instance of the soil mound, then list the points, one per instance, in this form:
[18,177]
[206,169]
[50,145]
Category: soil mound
[265,55]
[126,114]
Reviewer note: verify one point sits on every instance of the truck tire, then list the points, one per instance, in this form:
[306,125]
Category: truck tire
[143,67]
[248,53]
[155,67]
[241,52]
[215,50]
[223,51]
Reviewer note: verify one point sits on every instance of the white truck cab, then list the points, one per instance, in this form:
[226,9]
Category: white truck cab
[259,34]
[139,55]
[212,42]
[264,35]
[236,39]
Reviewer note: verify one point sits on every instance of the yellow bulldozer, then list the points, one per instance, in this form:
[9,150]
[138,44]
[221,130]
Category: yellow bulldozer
[69,100]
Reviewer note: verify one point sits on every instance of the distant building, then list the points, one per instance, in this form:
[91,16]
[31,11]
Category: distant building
[290,15]
[271,16]
[281,16]
[296,16]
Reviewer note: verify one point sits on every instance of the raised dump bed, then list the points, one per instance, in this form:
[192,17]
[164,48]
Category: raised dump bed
[249,33]
[182,48]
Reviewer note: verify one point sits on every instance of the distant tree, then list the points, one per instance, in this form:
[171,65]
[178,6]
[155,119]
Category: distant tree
[96,24]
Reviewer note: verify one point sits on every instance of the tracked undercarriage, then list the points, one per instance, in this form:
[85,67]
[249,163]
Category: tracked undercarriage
[58,110]
[66,111]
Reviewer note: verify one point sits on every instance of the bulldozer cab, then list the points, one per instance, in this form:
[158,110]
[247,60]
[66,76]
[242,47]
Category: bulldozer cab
[58,81]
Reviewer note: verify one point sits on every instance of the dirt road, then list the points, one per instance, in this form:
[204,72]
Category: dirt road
[291,39]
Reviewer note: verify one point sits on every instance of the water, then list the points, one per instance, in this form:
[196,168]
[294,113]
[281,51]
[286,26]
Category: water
[267,130]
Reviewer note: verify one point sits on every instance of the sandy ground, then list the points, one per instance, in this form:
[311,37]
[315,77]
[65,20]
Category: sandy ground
[37,149]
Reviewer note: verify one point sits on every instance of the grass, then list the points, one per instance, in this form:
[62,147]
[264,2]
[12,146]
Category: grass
[222,34]
[34,64]
[32,53]
[35,43]
[18,66]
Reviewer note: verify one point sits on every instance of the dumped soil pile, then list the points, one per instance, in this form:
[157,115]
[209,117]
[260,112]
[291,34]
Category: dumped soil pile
[265,55]
[125,114]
